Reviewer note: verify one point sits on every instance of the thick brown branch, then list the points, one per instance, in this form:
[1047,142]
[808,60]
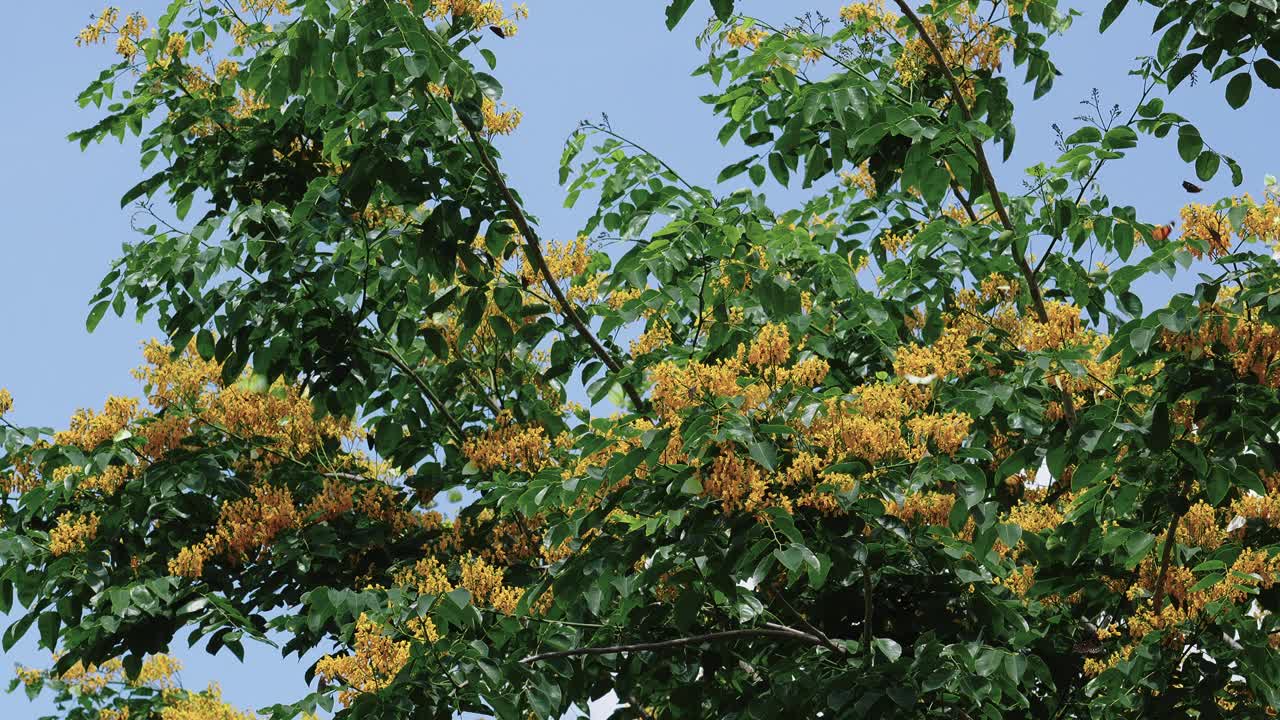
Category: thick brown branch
[533,250]
[780,632]
[1169,541]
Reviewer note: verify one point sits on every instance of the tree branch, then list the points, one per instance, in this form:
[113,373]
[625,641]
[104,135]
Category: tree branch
[533,250]
[454,428]
[988,179]
[1169,539]
[770,630]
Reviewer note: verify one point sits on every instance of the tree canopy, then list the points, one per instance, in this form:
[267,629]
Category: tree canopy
[910,446]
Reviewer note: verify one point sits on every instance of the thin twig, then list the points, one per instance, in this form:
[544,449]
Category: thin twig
[454,428]
[810,626]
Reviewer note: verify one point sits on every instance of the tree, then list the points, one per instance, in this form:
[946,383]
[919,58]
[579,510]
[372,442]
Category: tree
[897,451]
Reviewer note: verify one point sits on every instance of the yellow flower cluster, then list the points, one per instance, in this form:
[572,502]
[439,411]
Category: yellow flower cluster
[1201,222]
[480,12]
[741,36]
[127,35]
[511,447]
[655,337]
[207,705]
[1263,221]
[335,499]
[485,583]
[158,673]
[869,16]
[738,483]
[997,287]
[619,298]
[771,346]
[946,432]
[266,6]
[182,381]
[895,243]
[967,42]
[88,429]
[925,508]
[113,714]
[1251,346]
[73,533]
[565,260]
[1200,528]
[375,661]
[500,122]
[860,179]
[282,417]
[6,401]
[175,48]
[1020,581]
[948,357]
[107,482]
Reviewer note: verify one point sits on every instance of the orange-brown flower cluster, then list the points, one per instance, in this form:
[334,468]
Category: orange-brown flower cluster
[1250,345]
[511,447]
[375,661]
[247,525]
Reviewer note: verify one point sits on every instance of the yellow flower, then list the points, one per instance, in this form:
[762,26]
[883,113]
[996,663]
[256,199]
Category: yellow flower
[375,661]
[743,36]
[207,705]
[861,179]
[497,122]
[6,401]
[771,346]
[73,533]
[868,16]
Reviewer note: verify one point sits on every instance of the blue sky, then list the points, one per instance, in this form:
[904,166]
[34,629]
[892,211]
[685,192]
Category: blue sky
[61,223]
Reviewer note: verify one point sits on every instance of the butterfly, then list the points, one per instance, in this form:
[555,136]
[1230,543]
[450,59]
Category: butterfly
[1191,187]
[1160,234]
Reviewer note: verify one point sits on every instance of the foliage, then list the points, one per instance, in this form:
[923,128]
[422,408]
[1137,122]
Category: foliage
[897,451]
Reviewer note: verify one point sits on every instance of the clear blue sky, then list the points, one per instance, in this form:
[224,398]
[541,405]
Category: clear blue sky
[61,223]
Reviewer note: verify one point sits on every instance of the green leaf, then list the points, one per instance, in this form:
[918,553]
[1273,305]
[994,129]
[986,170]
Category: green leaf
[1120,137]
[1171,42]
[1110,13]
[48,624]
[764,453]
[691,486]
[1189,143]
[1238,89]
[1181,69]
[791,557]
[204,344]
[1267,71]
[723,9]
[889,648]
[1207,165]
[1087,134]
[676,12]
[1140,339]
[95,315]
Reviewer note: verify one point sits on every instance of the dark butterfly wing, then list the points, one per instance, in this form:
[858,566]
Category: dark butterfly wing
[1191,187]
